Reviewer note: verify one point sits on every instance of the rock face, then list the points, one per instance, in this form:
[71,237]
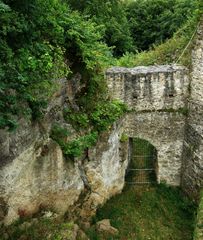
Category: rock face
[40,178]
[34,174]
[104,226]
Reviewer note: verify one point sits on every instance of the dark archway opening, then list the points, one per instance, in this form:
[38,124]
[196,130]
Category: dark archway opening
[142,167]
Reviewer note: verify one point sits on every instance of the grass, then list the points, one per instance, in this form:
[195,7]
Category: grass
[148,213]
[144,212]
[198,234]
[41,229]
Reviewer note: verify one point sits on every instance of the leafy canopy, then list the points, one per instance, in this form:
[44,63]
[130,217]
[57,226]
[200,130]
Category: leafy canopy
[36,38]
[154,21]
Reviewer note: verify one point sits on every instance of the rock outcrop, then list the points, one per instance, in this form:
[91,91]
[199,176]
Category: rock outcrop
[35,175]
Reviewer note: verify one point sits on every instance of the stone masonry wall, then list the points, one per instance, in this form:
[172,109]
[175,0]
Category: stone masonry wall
[192,171]
[149,88]
[157,97]
[165,131]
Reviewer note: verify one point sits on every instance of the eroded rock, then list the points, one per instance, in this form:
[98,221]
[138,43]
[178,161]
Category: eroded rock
[104,226]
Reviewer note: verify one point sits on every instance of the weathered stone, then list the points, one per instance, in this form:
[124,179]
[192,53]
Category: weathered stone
[149,88]
[85,225]
[40,178]
[192,158]
[49,214]
[104,226]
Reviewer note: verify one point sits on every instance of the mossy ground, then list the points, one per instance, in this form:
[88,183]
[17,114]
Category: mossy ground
[148,213]
[139,213]
[41,229]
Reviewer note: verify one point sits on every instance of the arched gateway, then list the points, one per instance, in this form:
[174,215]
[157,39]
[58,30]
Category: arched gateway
[156,97]
[142,168]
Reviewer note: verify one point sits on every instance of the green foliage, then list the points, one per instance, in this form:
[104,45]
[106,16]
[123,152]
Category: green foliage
[77,119]
[102,116]
[48,41]
[58,132]
[159,212]
[112,16]
[34,50]
[168,52]
[76,148]
[153,21]
[124,138]
[105,113]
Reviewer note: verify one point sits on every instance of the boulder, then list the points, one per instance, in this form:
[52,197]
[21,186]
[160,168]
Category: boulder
[104,226]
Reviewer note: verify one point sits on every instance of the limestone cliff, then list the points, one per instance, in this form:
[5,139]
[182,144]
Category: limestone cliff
[35,175]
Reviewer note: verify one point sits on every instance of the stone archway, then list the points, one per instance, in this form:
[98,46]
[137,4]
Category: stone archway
[156,97]
[165,131]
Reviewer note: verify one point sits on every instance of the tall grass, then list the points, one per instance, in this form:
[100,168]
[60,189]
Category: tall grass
[168,52]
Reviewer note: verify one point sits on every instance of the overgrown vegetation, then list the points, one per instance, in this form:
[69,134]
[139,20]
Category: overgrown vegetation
[169,52]
[156,213]
[44,43]
[47,41]
[54,38]
[41,228]
[198,233]
[103,115]
[110,14]
[153,21]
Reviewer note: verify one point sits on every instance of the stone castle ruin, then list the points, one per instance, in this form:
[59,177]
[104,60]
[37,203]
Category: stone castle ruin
[166,109]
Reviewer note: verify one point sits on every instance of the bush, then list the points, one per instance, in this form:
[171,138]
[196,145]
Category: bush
[100,119]
[106,113]
[34,50]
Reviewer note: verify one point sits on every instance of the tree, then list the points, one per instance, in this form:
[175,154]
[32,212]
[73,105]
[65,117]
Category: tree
[153,21]
[111,15]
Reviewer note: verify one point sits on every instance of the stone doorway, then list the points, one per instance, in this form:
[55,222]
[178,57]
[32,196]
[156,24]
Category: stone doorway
[142,167]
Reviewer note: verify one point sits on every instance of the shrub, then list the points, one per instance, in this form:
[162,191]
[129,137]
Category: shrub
[34,50]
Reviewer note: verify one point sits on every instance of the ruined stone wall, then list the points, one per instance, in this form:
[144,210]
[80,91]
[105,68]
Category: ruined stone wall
[149,88]
[157,97]
[192,170]
[165,131]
